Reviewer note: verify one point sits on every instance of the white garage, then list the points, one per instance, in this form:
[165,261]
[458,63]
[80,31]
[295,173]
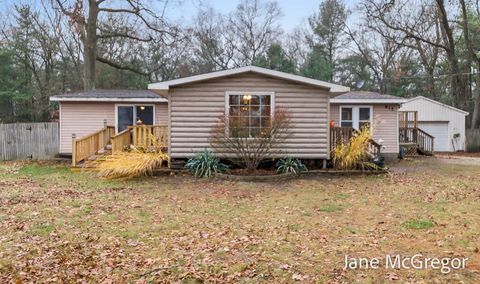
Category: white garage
[445,123]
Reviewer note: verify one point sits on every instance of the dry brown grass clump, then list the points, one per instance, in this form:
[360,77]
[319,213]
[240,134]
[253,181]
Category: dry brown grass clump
[125,165]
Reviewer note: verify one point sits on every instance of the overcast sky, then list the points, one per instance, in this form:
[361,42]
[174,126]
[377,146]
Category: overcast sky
[295,12]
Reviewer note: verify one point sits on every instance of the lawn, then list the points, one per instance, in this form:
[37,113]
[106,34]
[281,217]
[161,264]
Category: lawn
[58,226]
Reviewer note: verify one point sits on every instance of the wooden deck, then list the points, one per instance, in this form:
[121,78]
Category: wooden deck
[105,141]
[414,140]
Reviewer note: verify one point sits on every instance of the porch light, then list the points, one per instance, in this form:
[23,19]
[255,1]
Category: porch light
[142,108]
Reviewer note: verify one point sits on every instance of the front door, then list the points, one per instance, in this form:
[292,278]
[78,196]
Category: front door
[128,115]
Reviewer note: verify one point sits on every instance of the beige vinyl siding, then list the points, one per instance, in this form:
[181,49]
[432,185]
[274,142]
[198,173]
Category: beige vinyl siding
[161,113]
[82,119]
[195,108]
[384,124]
[86,118]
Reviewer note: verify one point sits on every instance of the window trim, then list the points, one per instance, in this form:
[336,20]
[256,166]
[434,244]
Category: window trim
[240,93]
[355,115]
[134,112]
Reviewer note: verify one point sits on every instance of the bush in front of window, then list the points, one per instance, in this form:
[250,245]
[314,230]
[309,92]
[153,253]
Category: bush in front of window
[290,165]
[234,138]
[205,164]
[355,154]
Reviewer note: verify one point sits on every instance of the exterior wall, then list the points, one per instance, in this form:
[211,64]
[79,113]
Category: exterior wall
[196,107]
[161,113]
[431,112]
[384,124]
[83,118]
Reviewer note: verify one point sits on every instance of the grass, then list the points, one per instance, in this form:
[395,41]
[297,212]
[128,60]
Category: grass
[61,225]
[418,224]
[330,208]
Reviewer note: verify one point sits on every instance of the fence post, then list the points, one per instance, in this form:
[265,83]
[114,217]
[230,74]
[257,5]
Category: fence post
[74,150]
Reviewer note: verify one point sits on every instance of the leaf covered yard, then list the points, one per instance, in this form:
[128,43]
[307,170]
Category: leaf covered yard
[57,226]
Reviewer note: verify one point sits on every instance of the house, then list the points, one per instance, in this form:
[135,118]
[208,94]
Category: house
[445,123]
[196,103]
[82,114]
[380,111]
[182,113]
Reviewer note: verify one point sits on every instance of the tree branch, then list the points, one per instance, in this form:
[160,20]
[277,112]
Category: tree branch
[121,67]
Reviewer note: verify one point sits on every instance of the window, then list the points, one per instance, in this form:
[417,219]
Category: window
[248,113]
[347,117]
[128,115]
[356,117]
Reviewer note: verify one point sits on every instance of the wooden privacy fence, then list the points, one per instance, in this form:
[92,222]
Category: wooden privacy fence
[22,141]
[473,140]
[87,146]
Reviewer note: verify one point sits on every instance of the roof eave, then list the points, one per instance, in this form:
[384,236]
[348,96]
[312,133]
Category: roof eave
[90,99]
[367,101]
[165,86]
[439,103]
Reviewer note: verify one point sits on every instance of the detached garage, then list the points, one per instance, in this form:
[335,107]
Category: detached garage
[445,123]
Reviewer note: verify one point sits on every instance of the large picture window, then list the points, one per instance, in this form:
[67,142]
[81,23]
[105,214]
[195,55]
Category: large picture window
[248,113]
[355,116]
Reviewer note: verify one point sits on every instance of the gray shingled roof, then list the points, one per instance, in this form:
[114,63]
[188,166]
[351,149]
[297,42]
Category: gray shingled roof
[113,94]
[363,95]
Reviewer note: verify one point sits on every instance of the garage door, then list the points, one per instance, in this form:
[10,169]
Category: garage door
[439,130]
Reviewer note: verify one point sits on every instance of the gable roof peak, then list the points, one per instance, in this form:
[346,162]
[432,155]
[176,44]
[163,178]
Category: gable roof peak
[332,88]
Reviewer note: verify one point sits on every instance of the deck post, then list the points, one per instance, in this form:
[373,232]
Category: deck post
[74,150]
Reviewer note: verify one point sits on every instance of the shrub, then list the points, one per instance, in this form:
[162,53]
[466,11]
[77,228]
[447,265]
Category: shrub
[134,162]
[229,138]
[354,154]
[290,165]
[205,164]
[124,165]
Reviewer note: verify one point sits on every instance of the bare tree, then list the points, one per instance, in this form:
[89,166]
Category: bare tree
[407,18]
[381,53]
[213,41]
[149,26]
[255,26]
[473,55]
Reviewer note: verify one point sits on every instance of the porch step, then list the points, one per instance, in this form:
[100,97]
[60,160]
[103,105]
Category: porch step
[178,164]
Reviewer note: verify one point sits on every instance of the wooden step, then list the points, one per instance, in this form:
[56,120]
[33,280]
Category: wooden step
[177,164]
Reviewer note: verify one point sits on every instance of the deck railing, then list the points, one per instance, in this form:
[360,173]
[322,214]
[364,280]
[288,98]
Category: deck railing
[417,137]
[121,140]
[149,135]
[341,135]
[87,146]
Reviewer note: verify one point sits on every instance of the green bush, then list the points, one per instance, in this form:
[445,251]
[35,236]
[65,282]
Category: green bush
[205,164]
[290,165]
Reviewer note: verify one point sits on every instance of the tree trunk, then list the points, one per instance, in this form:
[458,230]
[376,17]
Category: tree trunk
[476,107]
[90,46]
[457,82]
[431,83]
